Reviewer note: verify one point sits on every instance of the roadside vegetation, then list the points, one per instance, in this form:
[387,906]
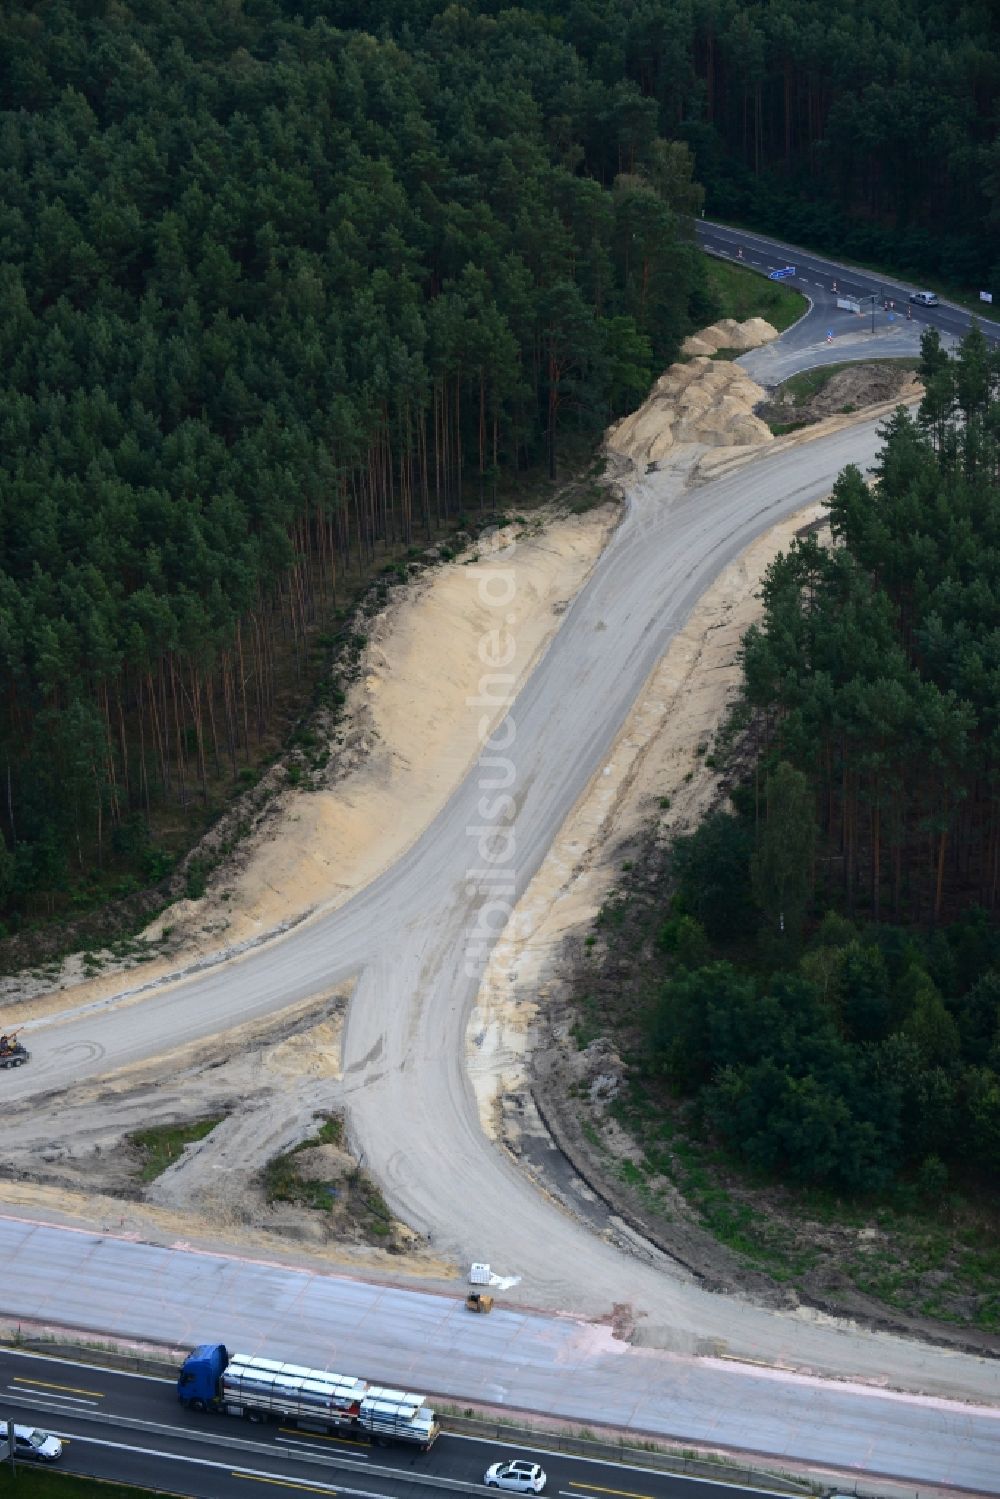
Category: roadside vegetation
[834,389]
[43,1483]
[745,294]
[161,1146]
[806,990]
[803,388]
[329,1182]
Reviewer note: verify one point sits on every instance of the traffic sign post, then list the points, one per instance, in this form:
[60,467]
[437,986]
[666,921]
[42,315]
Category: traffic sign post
[781,274]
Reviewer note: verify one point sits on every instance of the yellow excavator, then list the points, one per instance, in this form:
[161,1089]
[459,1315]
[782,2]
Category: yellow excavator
[12,1053]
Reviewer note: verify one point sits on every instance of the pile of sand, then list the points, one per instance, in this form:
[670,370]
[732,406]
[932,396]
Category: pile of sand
[706,402]
[729,334]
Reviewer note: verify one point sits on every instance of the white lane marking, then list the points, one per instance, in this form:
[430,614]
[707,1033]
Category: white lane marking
[452,1436]
[24,1394]
[298,1443]
[233,1466]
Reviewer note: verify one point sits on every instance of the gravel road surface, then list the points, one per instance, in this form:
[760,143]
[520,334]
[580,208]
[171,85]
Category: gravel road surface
[410,1106]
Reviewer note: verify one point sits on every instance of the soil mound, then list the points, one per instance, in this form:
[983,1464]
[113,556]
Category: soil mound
[704,401]
[848,390]
[729,334]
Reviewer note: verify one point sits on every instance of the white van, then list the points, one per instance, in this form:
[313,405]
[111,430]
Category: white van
[33,1444]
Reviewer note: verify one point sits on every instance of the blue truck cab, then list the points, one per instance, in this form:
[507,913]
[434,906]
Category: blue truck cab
[201,1376]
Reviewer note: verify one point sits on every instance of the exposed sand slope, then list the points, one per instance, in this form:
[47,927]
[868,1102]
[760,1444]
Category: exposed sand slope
[655,756]
[416,729]
[411,735]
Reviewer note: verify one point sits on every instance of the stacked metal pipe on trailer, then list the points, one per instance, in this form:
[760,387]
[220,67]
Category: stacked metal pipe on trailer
[291,1390]
[398,1414]
[258,1388]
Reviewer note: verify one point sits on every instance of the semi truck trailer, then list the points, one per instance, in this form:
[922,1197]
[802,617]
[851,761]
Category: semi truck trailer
[259,1389]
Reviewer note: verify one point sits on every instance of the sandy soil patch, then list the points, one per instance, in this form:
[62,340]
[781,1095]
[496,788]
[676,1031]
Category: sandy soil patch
[702,401]
[409,737]
[414,731]
[103,1214]
[273,1083]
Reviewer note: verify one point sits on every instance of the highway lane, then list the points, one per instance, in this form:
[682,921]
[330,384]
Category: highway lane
[512,1360]
[131,1429]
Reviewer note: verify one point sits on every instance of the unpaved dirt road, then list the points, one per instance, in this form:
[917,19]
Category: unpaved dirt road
[409,1101]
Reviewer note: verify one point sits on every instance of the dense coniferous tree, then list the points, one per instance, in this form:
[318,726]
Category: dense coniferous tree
[875,676]
[282,287]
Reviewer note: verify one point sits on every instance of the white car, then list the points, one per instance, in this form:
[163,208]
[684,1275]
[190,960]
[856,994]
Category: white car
[31,1443]
[924,298]
[519,1476]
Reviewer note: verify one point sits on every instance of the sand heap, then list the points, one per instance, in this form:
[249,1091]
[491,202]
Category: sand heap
[729,334]
[704,401]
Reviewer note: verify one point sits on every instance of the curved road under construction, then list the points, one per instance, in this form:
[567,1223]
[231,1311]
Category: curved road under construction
[416,939]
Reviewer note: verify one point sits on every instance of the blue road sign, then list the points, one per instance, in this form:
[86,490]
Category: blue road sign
[782,274]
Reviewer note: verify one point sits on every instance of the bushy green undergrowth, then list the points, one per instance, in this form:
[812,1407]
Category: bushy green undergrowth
[351,1193]
[165,1143]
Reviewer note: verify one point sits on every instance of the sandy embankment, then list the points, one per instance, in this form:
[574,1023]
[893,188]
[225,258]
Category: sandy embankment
[419,730]
[658,755]
[411,734]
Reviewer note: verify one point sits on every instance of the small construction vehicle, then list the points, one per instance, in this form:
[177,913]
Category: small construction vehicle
[12,1053]
[476,1301]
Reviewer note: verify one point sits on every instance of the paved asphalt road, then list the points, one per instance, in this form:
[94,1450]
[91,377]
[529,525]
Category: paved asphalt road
[852,336]
[131,1429]
[409,1101]
[514,1360]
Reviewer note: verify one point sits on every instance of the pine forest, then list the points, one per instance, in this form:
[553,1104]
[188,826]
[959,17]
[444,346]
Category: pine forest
[286,289]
